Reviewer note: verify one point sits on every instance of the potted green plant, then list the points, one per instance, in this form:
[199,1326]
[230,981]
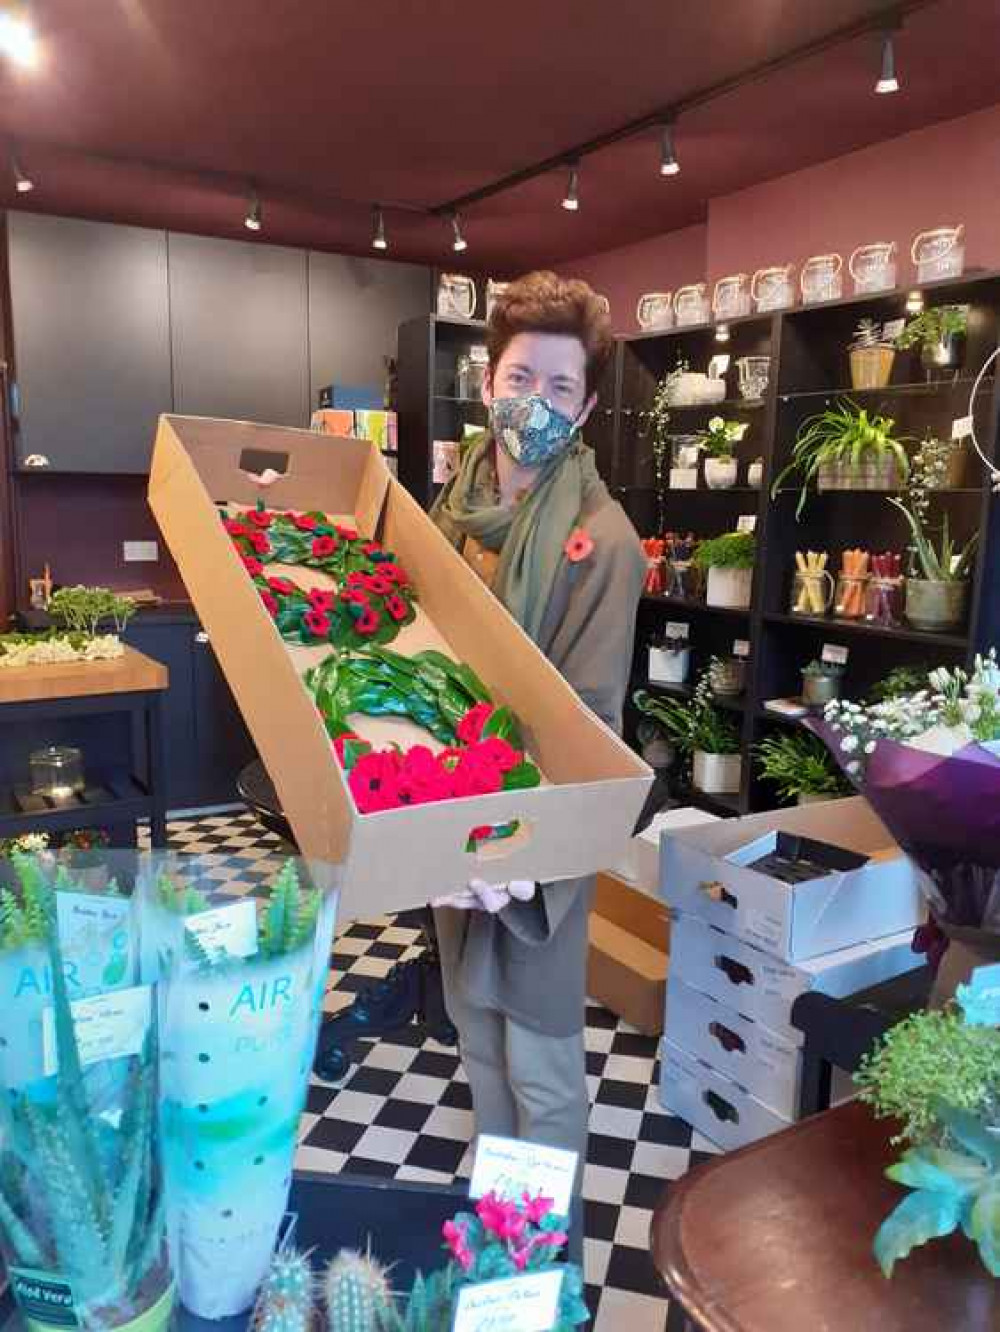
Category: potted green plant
[936,601]
[821,683]
[801,767]
[728,562]
[871,355]
[717,441]
[940,333]
[702,732]
[845,447]
[657,427]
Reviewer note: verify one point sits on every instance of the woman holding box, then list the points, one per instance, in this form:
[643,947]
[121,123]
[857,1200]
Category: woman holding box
[531,515]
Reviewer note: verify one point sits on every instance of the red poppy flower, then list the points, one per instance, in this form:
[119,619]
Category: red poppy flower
[260,517]
[252,565]
[397,609]
[323,547]
[374,781]
[355,597]
[317,623]
[303,522]
[270,601]
[470,728]
[499,752]
[356,579]
[371,548]
[368,622]
[346,533]
[579,545]
[320,600]
[473,777]
[379,587]
[235,528]
[394,573]
[283,586]
[260,543]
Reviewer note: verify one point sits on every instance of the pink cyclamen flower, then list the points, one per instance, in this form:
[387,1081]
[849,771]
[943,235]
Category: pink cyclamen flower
[454,1237]
[501,1218]
[535,1209]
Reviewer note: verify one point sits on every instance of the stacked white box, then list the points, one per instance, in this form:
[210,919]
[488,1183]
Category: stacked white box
[745,945]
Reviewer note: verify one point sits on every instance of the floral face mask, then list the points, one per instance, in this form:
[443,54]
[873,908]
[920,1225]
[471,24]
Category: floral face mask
[530,429]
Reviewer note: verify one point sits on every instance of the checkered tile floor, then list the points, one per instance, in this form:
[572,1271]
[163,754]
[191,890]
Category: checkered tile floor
[406,1113]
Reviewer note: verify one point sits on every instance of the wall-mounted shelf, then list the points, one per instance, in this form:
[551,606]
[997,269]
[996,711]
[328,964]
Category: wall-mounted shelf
[830,624]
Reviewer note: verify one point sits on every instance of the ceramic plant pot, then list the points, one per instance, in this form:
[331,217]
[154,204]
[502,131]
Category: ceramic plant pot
[819,690]
[720,473]
[936,608]
[669,666]
[717,774]
[755,475]
[871,366]
[879,475]
[810,798]
[729,588]
[727,677]
[947,354]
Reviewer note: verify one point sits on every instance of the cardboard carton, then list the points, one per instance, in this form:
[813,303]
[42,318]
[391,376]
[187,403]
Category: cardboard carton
[580,818]
[854,883]
[721,1110]
[628,956]
[640,866]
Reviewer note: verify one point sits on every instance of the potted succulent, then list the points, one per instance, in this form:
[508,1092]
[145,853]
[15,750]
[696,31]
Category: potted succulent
[871,355]
[728,561]
[821,683]
[940,332]
[755,473]
[717,441]
[846,448]
[799,764]
[702,732]
[936,600]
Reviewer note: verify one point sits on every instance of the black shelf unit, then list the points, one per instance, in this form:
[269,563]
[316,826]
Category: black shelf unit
[808,350]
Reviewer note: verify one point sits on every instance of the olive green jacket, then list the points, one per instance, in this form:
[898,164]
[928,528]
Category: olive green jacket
[529,962]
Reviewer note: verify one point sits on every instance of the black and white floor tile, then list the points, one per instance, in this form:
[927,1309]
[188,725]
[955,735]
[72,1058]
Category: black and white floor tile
[405,1111]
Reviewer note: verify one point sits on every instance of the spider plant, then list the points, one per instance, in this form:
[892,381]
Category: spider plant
[844,435]
[799,763]
[941,563]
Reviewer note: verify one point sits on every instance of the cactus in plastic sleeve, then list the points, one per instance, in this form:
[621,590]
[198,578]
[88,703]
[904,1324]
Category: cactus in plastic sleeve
[290,1278]
[357,1294]
[290,918]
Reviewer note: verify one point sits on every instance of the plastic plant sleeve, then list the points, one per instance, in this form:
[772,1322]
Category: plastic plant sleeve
[238,1034]
[82,1219]
[944,811]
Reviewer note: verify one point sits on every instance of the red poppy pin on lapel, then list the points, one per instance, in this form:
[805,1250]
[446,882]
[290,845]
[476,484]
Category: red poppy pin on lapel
[579,545]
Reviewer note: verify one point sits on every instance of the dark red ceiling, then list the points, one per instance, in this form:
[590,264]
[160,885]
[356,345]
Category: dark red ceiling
[154,111]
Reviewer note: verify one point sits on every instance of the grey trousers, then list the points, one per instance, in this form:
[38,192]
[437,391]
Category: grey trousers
[524,1084]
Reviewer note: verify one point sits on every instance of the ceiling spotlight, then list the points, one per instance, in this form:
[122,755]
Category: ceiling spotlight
[22,183]
[669,165]
[253,220]
[18,41]
[459,243]
[379,241]
[888,83]
[572,200]
[914,302]
[722,332]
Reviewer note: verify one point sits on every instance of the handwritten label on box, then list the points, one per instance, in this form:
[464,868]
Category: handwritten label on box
[231,929]
[107,1026]
[509,1168]
[517,1304]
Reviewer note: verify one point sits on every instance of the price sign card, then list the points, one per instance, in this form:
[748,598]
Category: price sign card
[834,655]
[677,630]
[747,522]
[962,428]
[741,648]
[231,930]
[509,1168]
[108,1026]
[516,1304]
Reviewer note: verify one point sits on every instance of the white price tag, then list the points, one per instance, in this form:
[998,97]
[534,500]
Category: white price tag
[834,655]
[509,1168]
[108,1026]
[741,648]
[746,522]
[516,1304]
[228,929]
[961,428]
[892,328]
[677,630]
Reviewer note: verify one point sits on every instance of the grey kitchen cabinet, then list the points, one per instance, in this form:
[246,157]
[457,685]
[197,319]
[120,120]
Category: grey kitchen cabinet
[355,308]
[91,317]
[239,330]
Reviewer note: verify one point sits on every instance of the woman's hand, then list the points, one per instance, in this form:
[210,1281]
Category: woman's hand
[491,897]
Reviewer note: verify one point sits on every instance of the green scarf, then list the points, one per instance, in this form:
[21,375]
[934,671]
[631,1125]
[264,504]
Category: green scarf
[531,534]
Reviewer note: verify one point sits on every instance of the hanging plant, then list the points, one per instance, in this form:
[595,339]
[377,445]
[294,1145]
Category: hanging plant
[373,597]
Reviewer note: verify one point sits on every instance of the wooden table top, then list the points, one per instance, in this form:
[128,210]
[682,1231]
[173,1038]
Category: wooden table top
[131,673]
[777,1238]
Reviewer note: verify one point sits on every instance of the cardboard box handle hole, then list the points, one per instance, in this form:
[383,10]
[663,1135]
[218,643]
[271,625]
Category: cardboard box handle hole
[721,1108]
[498,841]
[729,1040]
[734,971]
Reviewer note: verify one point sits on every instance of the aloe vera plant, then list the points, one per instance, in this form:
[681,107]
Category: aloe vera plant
[946,562]
[845,435]
[80,1195]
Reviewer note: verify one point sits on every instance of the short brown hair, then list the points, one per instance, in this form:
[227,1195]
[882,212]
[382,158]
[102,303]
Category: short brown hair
[544,302]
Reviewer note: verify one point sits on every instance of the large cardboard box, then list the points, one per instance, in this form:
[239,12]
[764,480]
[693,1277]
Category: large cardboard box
[763,987]
[578,821]
[867,891]
[718,1108]
[628,955]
